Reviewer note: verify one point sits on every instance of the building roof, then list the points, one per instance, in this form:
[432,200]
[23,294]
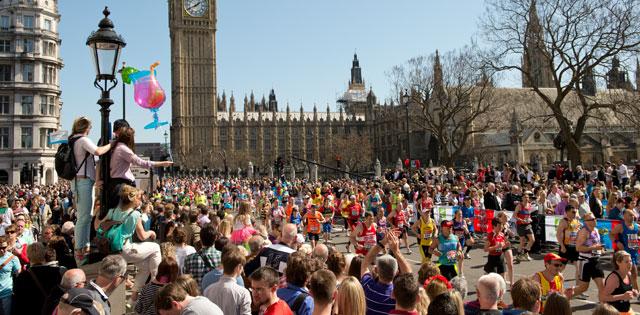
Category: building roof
[293,116]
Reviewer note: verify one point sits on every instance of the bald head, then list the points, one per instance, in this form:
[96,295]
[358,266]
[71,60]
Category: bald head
[289,233]
[73,278]
[321,252]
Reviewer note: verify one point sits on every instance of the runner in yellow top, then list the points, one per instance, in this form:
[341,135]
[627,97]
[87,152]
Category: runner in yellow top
[426,230]
[551,279]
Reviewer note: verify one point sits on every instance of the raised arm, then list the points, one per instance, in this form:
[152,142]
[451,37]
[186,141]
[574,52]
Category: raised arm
[394,245]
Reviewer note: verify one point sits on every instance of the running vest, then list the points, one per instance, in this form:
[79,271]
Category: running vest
[458,229]
[448,247]
[525,215]
[629,237]
[493,240]
[571,232]
[593,239]
[548,287]
[426,231]
[399,219]
[382,224]
[622,306]
[366,238]
[313,222]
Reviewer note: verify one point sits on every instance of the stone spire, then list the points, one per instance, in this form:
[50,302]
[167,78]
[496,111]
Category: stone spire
[617,77]
[232,103]
[222,102]
[356,82]
[588,82]
[273,103]
[535,61]
[438,77]
[252,101]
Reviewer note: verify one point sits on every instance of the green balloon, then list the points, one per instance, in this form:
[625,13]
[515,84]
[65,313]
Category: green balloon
[126,72]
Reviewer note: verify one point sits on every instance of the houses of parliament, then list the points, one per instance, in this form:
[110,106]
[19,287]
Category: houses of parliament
[208,128]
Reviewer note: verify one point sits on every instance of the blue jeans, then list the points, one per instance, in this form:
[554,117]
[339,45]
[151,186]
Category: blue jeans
[5,305]
[83,195]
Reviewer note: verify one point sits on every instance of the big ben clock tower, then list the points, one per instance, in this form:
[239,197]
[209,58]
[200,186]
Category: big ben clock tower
[192,25]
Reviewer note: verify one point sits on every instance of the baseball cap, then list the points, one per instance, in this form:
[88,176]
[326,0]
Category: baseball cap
[552,256]
[81,298]
[446,223]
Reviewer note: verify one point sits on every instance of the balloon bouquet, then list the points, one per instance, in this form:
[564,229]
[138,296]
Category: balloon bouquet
[147,91]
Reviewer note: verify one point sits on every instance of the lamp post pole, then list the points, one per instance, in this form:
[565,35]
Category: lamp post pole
[124,95]
[105,45]
[405,98]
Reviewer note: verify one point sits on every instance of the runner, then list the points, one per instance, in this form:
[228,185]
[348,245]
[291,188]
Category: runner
[468,214]
[567,234]
[426,230]
[364,236]
[590,249]
[328,211]
[398,219]
[551,279]
[626,237]
[461,231]
[354,211]
[494,245]
[508,253]
[312,221]
[447,247]
[523,224]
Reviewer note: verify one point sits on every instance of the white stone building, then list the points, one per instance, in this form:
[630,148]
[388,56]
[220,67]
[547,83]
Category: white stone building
[29,90]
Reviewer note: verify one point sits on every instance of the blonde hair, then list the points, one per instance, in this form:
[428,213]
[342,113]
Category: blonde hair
[127,194]
[423,302]
[618,257]
[459,303]
[350,298]
[435,288]
[605,309]
[81,125]
[168,249]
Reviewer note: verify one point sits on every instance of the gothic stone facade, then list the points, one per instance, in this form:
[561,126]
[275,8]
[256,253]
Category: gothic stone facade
[204,126]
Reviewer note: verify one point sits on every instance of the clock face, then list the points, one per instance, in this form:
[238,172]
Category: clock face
[196,8]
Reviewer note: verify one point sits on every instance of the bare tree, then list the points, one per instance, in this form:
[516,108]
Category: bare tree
[563,45]
[452,96]
[353,150]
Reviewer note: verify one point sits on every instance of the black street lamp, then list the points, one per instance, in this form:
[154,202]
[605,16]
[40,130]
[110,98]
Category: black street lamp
[405,100]
[105,46]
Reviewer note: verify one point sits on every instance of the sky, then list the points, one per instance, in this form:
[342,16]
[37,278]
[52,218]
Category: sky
[301,49]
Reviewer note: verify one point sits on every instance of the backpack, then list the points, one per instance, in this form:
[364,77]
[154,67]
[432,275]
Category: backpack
[65,160]
[109,237]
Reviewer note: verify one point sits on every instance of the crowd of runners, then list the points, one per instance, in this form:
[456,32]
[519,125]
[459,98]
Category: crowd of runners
[266,245]
[203,245]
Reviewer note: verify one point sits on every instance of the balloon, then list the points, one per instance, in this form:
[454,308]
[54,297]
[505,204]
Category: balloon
[148,93]
[126,72]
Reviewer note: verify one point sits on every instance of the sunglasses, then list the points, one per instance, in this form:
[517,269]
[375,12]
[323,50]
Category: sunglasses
[589,220]
[10,232]
[558,265]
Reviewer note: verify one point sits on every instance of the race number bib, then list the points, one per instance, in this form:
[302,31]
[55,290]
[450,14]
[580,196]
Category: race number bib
[632,241]
[452,256]
[369,241]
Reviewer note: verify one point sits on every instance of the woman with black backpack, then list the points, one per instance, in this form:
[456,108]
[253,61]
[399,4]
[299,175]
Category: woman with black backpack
[84,152]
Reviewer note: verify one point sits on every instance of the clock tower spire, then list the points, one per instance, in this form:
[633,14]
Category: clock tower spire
[192,27]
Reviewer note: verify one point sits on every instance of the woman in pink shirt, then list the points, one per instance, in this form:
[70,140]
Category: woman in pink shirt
[122,158]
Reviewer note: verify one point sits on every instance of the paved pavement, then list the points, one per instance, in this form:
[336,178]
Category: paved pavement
[473,270]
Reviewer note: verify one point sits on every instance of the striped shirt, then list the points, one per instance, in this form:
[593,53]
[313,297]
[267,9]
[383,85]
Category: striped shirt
[377,295]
